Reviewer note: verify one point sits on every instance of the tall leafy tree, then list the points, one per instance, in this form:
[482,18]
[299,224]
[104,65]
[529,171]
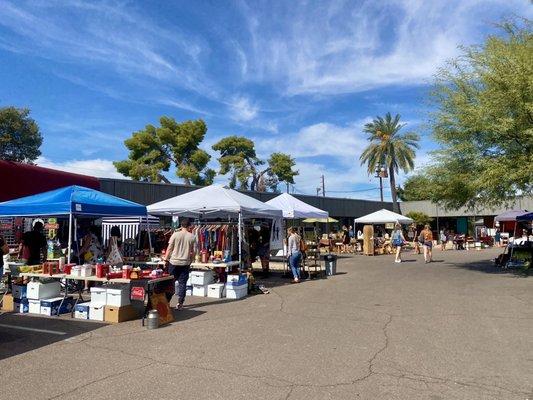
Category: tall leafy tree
[416,187]
[154,150]
[484,121]
[390,149]
[20,138]
[239,159]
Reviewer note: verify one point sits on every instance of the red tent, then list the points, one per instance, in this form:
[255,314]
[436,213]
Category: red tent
[19,180]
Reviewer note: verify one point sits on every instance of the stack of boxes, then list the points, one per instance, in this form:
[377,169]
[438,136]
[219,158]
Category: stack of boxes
[110,304]
[203,286]
[20,299]
[45,298]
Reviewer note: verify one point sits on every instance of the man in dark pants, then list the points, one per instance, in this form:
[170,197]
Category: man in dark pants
[178,258]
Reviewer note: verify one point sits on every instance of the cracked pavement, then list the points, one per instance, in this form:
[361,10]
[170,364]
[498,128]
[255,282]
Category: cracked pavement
[453,329]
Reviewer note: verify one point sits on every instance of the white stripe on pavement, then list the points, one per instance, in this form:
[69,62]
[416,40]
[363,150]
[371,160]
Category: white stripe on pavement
[23,328]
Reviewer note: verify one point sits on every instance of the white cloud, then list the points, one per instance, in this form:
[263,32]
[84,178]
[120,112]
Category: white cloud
[350,47]
[95,167]
[242,109]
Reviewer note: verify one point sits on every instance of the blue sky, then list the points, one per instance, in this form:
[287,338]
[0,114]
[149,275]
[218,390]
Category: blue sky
[297,77]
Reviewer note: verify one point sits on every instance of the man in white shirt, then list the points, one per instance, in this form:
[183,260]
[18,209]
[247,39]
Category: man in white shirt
[179,256]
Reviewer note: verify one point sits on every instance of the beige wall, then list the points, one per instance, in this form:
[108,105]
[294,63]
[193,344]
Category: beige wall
[431,209]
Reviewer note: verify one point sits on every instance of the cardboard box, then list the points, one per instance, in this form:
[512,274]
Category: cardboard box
[21,306]
[52,306]
[201,277]
[39,290]
[120,314]
[199,290]
[216,290]
[8,303]
[96,311]
[34,306]
[19,291]
[236,279]
[98,295]
[118,296]
[236,292]
[86,270]
[81,310]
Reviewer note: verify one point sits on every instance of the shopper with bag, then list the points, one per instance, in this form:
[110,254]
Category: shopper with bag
[295,246]
[427,236]
[398,241]
[114,248]
[178,258]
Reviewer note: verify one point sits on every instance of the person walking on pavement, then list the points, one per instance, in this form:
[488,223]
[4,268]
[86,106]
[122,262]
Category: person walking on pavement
[398,240]
[295,255]
[178,258]
[428,243]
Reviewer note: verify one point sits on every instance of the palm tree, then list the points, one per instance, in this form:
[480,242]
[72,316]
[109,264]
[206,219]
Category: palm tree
[389,149]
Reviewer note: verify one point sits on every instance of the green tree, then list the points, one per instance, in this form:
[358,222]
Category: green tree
[420,218]
[484,121]
[20,138]
[390,149]
[154,150]
[239,159]
[416,187]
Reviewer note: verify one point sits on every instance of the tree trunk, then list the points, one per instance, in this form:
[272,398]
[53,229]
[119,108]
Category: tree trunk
[392,178]
[163,178]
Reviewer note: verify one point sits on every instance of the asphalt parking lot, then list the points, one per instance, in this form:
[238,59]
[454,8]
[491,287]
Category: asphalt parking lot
[454,329]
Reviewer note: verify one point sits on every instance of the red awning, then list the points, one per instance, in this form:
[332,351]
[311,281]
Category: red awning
[19,180]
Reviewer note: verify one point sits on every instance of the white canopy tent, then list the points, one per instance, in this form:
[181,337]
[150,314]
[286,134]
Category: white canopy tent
[383,217]
[216,201]
[294,208]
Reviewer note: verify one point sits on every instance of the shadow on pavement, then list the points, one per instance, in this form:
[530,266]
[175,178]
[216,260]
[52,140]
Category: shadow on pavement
[20,333]
[489,267]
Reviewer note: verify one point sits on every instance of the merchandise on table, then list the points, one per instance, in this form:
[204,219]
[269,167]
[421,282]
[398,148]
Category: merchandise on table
[81,310]
[43,290]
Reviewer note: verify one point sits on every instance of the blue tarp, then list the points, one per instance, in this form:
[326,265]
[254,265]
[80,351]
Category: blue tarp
[525,217]
[77,200]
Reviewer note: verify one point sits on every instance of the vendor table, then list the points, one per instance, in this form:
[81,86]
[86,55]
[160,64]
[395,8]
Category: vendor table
[147,283]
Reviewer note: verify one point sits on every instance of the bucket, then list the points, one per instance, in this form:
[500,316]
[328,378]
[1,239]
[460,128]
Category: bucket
[152,320]
[101,270]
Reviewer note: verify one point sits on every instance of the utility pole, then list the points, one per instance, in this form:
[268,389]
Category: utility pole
[323,187]
[287,187]
[318,191]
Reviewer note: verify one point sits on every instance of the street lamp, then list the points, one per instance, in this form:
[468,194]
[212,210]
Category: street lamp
[381,173]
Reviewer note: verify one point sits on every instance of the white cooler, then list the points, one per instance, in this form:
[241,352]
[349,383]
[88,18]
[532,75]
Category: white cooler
[199,290]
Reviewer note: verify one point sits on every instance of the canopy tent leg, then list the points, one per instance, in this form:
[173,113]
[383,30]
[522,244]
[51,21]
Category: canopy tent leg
[240,241]
[69,247]
[149,235]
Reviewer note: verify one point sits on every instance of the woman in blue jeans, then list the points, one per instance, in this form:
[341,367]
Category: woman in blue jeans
[295,255]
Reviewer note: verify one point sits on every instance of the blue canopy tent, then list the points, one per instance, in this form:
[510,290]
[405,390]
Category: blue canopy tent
[525,217]
[74,201]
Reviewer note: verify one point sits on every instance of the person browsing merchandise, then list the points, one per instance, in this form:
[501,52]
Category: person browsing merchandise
[34,244]
[178,258]
[295,255]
